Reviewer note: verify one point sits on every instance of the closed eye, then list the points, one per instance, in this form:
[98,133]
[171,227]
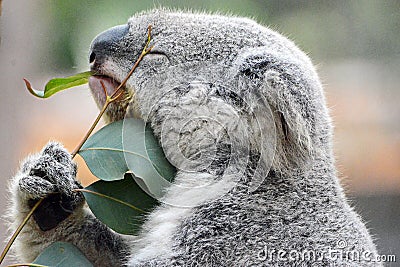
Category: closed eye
[154,51]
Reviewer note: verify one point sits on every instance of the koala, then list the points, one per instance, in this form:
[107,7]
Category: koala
[240,112]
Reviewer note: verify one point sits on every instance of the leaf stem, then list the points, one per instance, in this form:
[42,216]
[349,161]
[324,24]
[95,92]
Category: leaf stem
[109,197]
[117,92]
[19,229]
[76,150]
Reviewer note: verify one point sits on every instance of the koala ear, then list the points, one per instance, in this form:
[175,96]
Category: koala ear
[282,81]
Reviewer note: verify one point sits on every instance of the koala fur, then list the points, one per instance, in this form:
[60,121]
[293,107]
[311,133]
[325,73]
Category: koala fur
[240,111]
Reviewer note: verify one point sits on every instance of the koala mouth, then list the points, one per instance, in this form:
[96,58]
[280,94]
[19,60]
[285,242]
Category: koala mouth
[96,83]
[123,106]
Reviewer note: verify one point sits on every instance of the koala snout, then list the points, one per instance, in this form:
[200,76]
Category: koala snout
[107,43]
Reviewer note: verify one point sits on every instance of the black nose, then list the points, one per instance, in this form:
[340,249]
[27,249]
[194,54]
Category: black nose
[107,43]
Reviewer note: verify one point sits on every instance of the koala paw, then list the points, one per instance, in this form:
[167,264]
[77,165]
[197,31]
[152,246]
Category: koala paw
[50,175]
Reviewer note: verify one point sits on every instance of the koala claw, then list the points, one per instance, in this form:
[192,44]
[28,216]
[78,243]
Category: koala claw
[50,174]
[36,187]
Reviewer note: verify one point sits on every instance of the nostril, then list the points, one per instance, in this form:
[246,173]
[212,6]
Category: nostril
[92,57]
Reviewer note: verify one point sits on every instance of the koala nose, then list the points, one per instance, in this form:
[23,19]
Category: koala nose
[106,42]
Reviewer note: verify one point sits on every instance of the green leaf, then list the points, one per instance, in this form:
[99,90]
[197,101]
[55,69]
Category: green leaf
[121,205]
[59,84]
[151,165]
[62,254]
[103,153]
[128,146]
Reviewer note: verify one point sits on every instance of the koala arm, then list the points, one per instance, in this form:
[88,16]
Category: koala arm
[63,215]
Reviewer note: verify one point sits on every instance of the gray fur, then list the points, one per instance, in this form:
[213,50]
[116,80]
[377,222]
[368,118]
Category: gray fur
[234,105]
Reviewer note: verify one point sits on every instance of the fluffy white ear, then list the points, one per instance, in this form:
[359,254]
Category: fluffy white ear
[288,88]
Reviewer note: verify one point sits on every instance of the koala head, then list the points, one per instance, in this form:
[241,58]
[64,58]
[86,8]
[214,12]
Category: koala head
[187,47]
[213,87]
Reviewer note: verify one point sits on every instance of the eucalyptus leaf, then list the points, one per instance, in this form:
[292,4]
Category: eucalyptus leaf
[121,205]
[62,254]
[128,146]
[58,84]
[103,153]
[151,165]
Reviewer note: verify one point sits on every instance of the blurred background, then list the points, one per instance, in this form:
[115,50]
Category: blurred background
[354,44]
